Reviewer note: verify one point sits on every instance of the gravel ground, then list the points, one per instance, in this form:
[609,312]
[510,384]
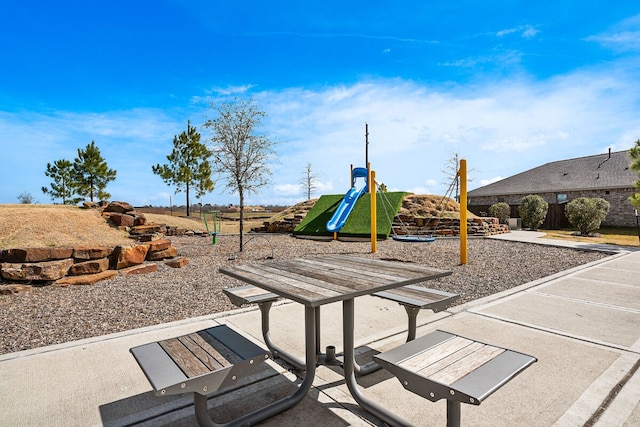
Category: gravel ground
[51,315]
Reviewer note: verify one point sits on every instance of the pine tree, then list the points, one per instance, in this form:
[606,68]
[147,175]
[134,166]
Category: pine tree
[63,185]
[188,166]
[91,173]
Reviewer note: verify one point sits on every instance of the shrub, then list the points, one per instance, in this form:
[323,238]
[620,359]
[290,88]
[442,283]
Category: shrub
[586,214]
[500,210]
[533,210]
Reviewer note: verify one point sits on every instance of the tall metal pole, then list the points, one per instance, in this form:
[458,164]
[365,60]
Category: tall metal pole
[462,174]
[366,148]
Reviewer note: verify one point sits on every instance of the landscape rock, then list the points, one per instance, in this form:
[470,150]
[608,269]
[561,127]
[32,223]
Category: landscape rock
[159,245]
[39,272]
[177,262]
[35,254]
[122,220]
[147,229]
[119,207]
[170,252]
[127,256]
[88,252]
[88,279]
[138,218]
[139,269]
[89,267]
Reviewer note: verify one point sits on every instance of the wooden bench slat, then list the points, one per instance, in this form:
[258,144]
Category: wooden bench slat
[461,373]
[203,351]
[466,365]
[220,351]
[448,360]
[190,365]
[424,359]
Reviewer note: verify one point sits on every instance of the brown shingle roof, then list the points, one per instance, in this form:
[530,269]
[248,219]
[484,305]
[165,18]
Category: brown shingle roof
[602,171]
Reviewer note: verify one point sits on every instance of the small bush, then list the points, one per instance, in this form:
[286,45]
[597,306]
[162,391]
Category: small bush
[586,214]
[500,210]
[533,211]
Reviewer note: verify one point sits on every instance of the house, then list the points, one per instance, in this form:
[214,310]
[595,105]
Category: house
[606,176]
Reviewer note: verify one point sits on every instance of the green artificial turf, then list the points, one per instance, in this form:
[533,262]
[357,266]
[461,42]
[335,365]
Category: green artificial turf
[358,224]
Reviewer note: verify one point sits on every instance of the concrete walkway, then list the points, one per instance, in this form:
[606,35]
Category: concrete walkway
[583,325]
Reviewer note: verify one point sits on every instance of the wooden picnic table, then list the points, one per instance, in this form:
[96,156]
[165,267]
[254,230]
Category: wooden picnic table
[318,280]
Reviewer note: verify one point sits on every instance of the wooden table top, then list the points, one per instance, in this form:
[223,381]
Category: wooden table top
[323,279]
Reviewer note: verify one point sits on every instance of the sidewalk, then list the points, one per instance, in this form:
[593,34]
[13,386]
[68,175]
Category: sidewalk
[582,325]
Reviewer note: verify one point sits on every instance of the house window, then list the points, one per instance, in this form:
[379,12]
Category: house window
[500,199]
[561,198]
[606,192]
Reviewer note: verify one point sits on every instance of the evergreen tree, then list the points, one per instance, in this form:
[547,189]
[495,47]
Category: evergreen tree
[188,165]
[91,173]
[62,187]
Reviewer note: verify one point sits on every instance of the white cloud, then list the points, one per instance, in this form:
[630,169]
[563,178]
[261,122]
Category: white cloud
[623,37]
[502,128]
[525,31]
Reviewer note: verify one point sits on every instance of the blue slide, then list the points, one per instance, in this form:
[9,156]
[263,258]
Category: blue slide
[347,204]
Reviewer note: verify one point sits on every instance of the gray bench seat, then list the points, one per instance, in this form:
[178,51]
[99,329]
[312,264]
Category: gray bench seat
[415,298]
[202,362]
[249,294]
[442,365]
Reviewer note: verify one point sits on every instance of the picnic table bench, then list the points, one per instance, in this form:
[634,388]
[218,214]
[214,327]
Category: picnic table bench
[442,365]
[412,297]
[202,363]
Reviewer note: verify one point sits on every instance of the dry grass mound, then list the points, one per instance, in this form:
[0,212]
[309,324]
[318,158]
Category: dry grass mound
[41,226]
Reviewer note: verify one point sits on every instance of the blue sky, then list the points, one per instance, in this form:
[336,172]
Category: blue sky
[508,85]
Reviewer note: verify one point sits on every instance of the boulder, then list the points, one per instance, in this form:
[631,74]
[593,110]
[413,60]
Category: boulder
[35,254]
[159,245]
[89,267]
[87,253]
[127,256]
[147,229]
[88,279]
[39,272]
[119,207]
[138,218]
[177,262]
[139,269]
[170,252]
[121,220]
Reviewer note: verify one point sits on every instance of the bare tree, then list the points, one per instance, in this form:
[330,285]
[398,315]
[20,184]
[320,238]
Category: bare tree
[451,172]
[240,154]
[309,181]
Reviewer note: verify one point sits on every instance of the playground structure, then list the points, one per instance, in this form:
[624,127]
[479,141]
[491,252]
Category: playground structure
[344,209]
[357,215]
[215,219]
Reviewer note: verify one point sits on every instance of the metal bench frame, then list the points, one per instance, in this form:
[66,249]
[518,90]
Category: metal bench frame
[204,362]
[413,298]
[442,365]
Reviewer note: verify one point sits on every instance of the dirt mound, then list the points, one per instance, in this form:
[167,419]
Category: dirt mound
[42,226]
[414,205]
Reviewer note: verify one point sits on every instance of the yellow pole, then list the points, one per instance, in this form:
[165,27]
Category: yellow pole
[374,219]
[462,174]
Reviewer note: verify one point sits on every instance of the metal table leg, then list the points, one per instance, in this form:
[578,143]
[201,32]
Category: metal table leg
[298,364]
[349,373]
[200,401]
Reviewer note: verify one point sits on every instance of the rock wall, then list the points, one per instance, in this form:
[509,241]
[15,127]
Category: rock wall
[22,267]
[476,226]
